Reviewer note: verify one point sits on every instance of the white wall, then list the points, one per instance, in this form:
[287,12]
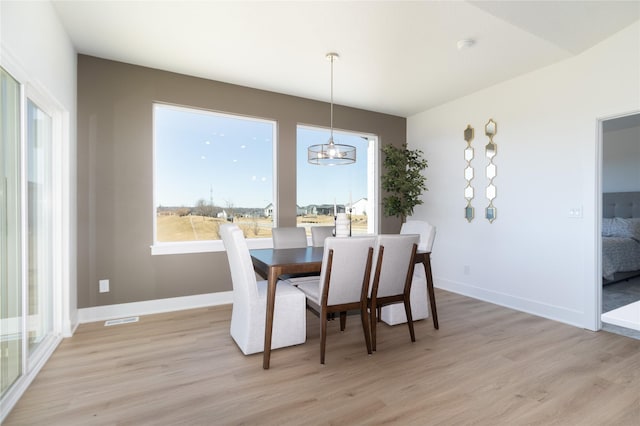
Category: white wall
[533,257]
[35,48]
[621,158]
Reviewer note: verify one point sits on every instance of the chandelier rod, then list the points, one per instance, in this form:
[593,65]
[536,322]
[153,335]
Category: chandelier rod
[331,57]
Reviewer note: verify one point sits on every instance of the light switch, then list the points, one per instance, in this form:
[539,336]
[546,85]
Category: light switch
[575,212]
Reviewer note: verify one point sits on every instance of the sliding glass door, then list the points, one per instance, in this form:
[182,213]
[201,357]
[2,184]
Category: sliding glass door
[29,207]
[11,291]
[39,225]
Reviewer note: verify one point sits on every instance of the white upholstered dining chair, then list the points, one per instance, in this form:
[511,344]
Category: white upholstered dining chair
[285,237]
[250,301]
[394,314]
[319,234]
[343,284]
[392,277]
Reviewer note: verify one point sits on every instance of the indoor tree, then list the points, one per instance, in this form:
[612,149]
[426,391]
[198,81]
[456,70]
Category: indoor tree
[402,180]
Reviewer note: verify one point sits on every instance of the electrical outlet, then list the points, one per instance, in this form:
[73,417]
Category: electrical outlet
[104,286]
[467,269]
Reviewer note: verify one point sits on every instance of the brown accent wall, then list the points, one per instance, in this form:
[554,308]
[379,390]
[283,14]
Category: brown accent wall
[115,174]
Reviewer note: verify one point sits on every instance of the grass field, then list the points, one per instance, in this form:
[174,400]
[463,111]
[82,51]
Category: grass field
[173,228]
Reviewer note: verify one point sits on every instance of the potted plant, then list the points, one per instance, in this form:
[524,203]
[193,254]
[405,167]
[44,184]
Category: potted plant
[402,181]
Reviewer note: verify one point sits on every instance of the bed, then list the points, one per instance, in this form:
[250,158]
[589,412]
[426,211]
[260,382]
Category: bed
[620,236]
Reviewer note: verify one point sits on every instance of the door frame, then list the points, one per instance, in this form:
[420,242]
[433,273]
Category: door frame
[598,219]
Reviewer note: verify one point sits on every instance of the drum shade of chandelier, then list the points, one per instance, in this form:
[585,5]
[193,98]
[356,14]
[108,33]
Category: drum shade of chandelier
[331,153]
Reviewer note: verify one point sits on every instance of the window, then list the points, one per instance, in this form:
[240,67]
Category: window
[210,168]
[323,189]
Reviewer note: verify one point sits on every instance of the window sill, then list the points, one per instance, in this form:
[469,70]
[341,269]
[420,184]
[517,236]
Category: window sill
[190,247]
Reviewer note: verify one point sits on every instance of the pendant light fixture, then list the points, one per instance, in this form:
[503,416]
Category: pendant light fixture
[331,153]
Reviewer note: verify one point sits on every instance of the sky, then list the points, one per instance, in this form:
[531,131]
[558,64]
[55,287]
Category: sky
[200,155]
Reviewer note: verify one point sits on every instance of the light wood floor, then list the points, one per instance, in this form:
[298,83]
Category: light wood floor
[487,365]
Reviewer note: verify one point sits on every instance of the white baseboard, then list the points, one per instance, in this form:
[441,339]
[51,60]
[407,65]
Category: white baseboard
[533,307]
[103,313]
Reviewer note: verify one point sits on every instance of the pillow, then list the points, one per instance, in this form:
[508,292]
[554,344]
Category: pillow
[607,227]
[621,227]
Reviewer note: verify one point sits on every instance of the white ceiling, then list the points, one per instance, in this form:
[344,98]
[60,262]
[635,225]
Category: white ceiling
[396,57]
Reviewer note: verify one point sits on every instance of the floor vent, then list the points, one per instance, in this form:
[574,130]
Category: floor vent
[120,321]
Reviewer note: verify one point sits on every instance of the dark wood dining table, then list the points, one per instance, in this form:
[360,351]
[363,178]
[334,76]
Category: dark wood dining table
[272,263]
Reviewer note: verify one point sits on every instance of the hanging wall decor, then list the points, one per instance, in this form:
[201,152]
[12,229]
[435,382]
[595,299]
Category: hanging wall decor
[491,149]
[468,173]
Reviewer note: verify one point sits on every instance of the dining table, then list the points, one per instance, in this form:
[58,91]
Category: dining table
[271,263]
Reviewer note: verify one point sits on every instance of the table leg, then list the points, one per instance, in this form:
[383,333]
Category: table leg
[426,261]
[268,324]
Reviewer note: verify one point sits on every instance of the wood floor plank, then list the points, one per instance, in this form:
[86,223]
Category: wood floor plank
[486,365]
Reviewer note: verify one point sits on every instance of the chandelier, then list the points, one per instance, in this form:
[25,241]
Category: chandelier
[331,153]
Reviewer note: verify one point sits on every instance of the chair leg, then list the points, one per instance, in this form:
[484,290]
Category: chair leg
[407,310]
[323,337]
[373,321]
[343,320]
[379,313]
[365,329]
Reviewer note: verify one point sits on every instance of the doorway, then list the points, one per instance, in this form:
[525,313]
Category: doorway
[620,174]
